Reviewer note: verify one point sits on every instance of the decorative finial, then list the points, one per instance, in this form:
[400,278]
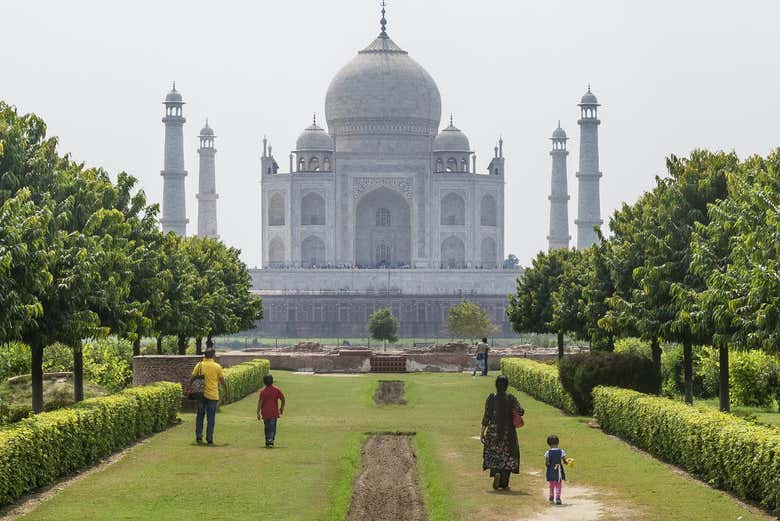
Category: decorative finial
[207,122]
[588,86]
[451,119]
[315,119]
[174,85]
[559,123]
[383,21]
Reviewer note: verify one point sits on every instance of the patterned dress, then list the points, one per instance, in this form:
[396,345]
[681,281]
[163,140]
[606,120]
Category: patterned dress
[501,451]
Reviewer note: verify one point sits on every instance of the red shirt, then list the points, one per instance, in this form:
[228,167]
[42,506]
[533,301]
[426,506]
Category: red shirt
[270,396]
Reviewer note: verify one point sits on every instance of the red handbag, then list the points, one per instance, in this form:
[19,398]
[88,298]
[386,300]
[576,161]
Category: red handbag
[517,419]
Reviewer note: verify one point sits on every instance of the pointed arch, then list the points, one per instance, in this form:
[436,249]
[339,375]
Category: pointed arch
[488,253]
[312,210]
[276,252]
[276,210]
[453,210]
[487,211]
[453,253]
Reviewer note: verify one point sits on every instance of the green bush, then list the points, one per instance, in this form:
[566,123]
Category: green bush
[579,374]
[754,378]
[12,413]
[721,449]
[245,378]
[635,346]
[38,450]
[672,371]
[14,360]
[539,380]
[109,363]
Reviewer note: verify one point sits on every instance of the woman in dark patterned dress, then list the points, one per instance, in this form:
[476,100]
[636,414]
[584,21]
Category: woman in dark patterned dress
[501,453]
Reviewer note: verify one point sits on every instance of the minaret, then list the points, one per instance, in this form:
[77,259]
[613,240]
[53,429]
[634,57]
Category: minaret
[559,193]
[174,216]
[207,185]
[588,200]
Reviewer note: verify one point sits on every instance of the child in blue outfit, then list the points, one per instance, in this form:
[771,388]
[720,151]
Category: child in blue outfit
[555,459]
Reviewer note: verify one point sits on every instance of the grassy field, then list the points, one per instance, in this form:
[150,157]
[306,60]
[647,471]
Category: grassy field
[767,416]
[308,475]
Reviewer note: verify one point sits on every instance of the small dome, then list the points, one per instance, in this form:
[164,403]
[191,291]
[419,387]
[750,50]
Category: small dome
[559,133]
[315,139]
[589,98]
[451,139]
[174,96]
[207,130]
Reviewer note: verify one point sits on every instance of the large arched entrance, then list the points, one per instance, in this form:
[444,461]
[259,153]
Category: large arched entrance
[383,230]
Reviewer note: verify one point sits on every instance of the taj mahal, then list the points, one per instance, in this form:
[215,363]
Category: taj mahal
[380,206]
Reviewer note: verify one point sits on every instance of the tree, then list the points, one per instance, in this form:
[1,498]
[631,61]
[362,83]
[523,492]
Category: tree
[530,309]
[469,320]
[511,262]
[383,325]
[736,253]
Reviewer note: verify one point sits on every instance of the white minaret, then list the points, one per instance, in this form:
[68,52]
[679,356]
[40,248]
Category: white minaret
[207,184]
[588,200]
[559,193]
[174,209]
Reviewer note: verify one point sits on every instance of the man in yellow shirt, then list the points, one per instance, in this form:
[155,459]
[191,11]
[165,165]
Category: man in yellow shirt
[213,379]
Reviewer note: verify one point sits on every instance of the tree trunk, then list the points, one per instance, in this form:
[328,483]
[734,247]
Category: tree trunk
[688,371]
[560,345]
[36,349]
[78,372]
[209,342]
[198,345]
[724,392]
[655,351]
[159,345]
[137,346]
[182,343]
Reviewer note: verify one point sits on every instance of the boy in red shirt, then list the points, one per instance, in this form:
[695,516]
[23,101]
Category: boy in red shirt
[268,408]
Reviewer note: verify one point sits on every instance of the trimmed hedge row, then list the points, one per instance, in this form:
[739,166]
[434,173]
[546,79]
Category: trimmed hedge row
[245,378]
[539,380]
[38,450]
[725,451]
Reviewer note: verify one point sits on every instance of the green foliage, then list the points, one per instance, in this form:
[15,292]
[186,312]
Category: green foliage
[539,380]
[109,363]
[383,325]
[530,309]
[579,374]
[14,360]
[722,450]
[469,320]
[634,346]
[245,378]
[36,451]
[755,379]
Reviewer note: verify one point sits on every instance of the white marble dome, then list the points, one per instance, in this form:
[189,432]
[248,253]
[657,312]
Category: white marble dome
[173,97]
[314,138]
[559,133]
[383,91]
[589,98]
[451,139]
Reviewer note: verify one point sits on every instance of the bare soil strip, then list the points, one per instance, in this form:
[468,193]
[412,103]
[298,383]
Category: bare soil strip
[387,488]
[390,392]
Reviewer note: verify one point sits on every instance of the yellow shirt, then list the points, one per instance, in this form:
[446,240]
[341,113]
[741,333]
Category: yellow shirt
[211,372]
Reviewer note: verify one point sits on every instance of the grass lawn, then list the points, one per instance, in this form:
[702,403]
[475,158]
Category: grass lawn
[767,416]
[307,476]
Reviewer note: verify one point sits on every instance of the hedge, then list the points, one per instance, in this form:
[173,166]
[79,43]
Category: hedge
[36,451]
[245,378]
[539,380]
[725,451]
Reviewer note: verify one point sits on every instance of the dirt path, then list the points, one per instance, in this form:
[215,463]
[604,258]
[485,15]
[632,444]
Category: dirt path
[390,392]
[387,488]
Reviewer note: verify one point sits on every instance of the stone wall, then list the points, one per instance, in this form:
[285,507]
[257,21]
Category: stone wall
[345,316]
[417,282]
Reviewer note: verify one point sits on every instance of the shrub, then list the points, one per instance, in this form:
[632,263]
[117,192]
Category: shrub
[12,413]
[539,380]
[38,450]
[14,360]
[672,371]
[245,378]
[754,378]
[634,346]
[109,363]
[721,449]
[579,374]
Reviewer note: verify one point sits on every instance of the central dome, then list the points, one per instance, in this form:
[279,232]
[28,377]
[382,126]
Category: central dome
[383,91]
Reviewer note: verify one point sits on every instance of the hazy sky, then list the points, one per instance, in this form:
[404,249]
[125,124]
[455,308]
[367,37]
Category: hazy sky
[671,76]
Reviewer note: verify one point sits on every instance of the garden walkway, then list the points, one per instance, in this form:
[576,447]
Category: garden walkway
[170,477]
